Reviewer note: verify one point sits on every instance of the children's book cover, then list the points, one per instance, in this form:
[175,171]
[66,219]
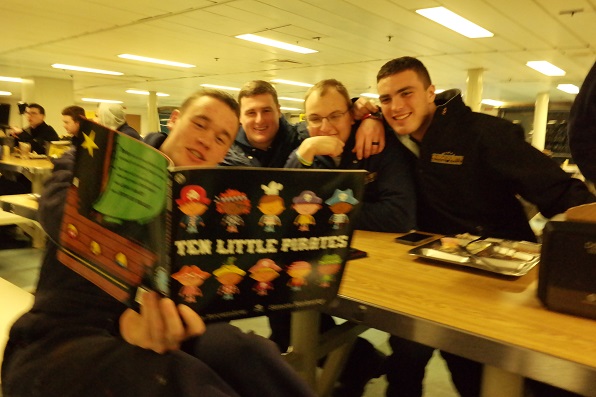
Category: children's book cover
[230,242]
[248,241]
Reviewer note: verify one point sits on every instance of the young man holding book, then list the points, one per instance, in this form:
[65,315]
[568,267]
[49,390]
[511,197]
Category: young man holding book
[77,340]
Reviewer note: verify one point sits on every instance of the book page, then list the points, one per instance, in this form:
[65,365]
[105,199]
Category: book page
[113,231]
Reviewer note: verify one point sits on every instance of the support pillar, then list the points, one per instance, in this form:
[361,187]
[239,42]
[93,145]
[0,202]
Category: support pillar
[540,120]
[473,95]
[152,115]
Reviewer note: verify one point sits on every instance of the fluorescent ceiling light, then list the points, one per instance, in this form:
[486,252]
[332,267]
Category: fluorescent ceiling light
[546,68]
[290,82]
[451,20]
[438,91]
[492,102]
[285,98]
[100,100]
[569,88]
[11,79]
[5,93]
[83,69]
[220,87]
[140,92]
[154,60]
[275,43]
[285,108]
[369,95]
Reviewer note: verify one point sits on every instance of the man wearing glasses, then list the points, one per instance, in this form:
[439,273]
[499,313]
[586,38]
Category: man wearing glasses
[38,132]
[389,202]
[389,198]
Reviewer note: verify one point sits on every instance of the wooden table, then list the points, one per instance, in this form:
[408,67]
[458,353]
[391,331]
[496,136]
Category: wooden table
[492,319]
[36,170]
[24,206]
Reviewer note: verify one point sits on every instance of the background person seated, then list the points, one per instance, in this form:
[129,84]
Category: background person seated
[113,116]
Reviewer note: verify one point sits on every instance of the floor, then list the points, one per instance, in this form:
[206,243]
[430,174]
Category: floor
[19,264]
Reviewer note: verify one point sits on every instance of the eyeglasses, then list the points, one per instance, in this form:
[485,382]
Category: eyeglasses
[333,118]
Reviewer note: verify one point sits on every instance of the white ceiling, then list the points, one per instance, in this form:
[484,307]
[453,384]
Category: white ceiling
[353,37]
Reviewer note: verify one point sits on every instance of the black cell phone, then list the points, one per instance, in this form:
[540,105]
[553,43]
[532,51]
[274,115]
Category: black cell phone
[416,238]
[355,253]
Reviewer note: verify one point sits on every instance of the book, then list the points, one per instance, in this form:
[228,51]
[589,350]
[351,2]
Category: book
[230,242]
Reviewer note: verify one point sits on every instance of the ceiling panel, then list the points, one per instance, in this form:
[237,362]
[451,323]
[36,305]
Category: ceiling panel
[354,39]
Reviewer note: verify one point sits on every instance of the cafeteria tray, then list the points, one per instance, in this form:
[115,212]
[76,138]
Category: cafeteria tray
[505,257]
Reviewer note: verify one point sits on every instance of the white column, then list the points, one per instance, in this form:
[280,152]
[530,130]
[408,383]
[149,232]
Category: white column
[152,116]
[53,94]
[473,95]
[540,120]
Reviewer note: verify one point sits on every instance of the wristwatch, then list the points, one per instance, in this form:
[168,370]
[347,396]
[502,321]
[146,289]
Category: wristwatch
[378,115]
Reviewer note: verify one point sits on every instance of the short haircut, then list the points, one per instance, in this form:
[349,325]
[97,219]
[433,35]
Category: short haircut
[37,106]
[257,87]
[324,85]
[77,113]
[402,64]
[215,94]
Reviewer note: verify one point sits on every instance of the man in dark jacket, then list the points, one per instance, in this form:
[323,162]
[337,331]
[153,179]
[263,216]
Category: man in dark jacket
[469,169]
[265,138]
[38,132]
[582,127]
[79,341]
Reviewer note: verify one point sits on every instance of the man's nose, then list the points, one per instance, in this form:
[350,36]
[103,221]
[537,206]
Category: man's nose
[326,125]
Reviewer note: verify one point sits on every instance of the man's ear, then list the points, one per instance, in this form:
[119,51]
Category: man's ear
[173,118]
[431,93]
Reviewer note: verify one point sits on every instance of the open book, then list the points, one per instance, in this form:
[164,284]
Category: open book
[230,242]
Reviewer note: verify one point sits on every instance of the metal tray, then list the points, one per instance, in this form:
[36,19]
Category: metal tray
[510,258]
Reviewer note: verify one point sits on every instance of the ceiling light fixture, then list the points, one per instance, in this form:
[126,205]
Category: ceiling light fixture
[84,69]
[492,102]
[220,87]
[277,44]
[100,100]
[5,93]
[451,20]
[140,92]
[546,68]
[155,60]
[11,79]
[285,108]
[370,95]
[569,88]
[290,82]
[285,98]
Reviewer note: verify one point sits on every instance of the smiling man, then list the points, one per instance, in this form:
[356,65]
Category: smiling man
[265,138]
[470,170]
[201,131]
[102,348]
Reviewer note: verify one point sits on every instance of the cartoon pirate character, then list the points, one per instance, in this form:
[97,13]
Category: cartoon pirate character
[329,266]
[340,204]
[229,276]
[264,271]
[191,278]
[306,204]
[298,270]
[271,205]
[232,203]
[193,203]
